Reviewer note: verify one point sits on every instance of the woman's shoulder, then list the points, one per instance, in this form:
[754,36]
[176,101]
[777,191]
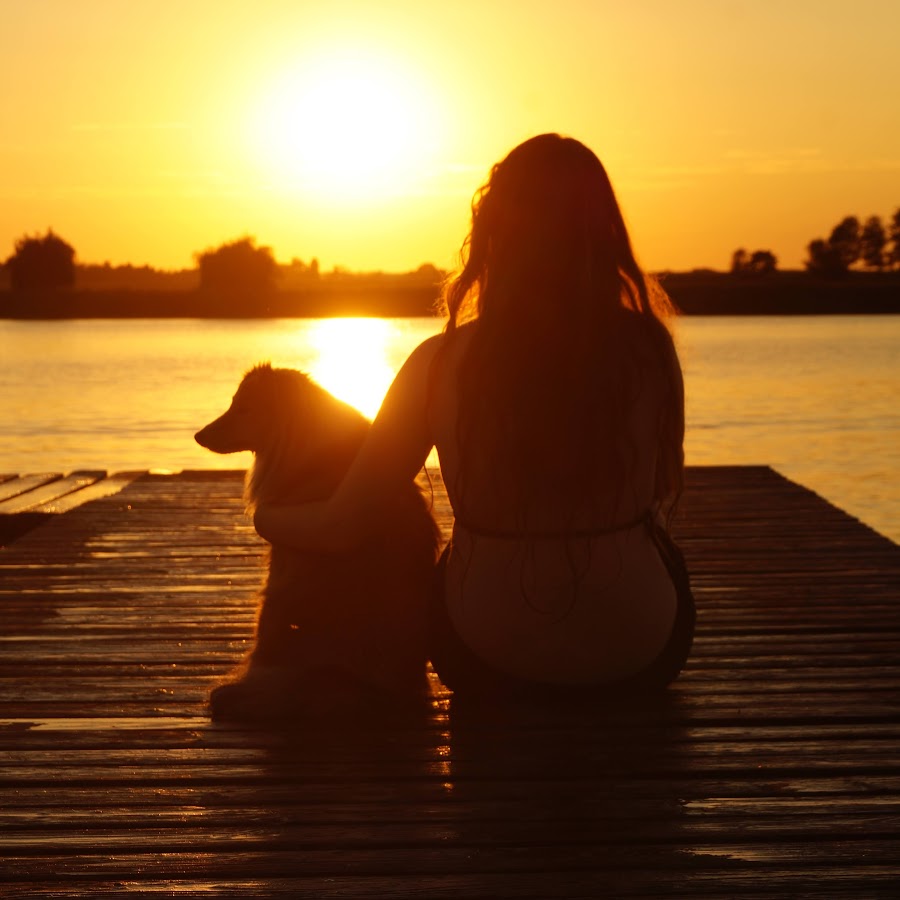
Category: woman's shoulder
[446,344]
[425,353]
[430,357]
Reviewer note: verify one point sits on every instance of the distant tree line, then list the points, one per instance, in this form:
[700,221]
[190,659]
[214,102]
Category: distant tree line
[240,267]
[107,277]
[870,245]
[233,269]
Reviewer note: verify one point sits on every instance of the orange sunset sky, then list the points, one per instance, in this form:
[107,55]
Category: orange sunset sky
[356,132]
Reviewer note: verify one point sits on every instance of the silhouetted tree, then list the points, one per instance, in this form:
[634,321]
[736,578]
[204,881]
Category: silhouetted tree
[238,267]
[739,261]
[763,262]
[760,262]
[894,252]
[872,241]
[842,249]
[429,274]
[824,259]
[845,240]
[39,263]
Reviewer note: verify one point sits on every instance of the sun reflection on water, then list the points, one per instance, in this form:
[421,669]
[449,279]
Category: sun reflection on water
[351,360]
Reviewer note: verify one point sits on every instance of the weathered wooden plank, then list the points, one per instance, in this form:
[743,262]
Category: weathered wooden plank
[525,826]
[71,692]
[704,760]
[106,487]
[429,740]
[94,648]
[329,824]
[392,801]
[598,858]
[19,484]
[45,494]
[809,707]
[871,882]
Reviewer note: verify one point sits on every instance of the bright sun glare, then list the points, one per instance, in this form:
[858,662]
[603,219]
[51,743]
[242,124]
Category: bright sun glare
[349,126]
[351,360]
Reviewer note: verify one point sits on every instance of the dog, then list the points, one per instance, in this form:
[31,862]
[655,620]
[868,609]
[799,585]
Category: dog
[333,630]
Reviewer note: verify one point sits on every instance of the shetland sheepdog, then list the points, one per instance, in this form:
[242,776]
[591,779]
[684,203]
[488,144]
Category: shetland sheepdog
[335,630]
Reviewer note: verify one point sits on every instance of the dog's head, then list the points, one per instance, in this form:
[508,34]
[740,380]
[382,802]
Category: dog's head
[270,402]
[250,421]
[288,421]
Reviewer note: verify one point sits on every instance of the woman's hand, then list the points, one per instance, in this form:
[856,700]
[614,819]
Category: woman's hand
[318,527]
[261,521]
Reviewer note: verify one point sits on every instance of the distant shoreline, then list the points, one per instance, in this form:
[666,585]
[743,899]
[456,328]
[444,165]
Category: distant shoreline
[694,293]
[783,293]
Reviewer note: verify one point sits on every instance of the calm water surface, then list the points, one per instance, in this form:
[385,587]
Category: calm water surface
[816,397]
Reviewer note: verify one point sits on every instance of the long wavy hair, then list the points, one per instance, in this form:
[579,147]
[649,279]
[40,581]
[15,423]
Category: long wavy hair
[569,332]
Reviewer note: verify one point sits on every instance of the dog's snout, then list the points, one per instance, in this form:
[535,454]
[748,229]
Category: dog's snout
[206,437]
[222,436]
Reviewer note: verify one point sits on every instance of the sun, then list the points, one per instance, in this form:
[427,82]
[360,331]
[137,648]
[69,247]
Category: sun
[344,126]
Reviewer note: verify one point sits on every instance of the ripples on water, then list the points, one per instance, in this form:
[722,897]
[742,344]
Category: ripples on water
[814,397]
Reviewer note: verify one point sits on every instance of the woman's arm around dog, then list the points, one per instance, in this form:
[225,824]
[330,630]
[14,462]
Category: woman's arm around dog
[394,451]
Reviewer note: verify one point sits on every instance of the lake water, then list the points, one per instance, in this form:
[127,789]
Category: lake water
[814,397]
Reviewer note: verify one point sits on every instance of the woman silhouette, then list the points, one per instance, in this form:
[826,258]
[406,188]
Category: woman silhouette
[554,397]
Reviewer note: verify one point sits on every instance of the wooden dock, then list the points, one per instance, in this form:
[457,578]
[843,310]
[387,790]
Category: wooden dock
[772,769]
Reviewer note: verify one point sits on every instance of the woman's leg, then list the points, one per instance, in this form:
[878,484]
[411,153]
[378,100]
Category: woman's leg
[458,667]
[668,665]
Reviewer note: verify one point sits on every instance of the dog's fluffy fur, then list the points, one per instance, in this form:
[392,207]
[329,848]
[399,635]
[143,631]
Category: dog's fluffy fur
[332,627]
